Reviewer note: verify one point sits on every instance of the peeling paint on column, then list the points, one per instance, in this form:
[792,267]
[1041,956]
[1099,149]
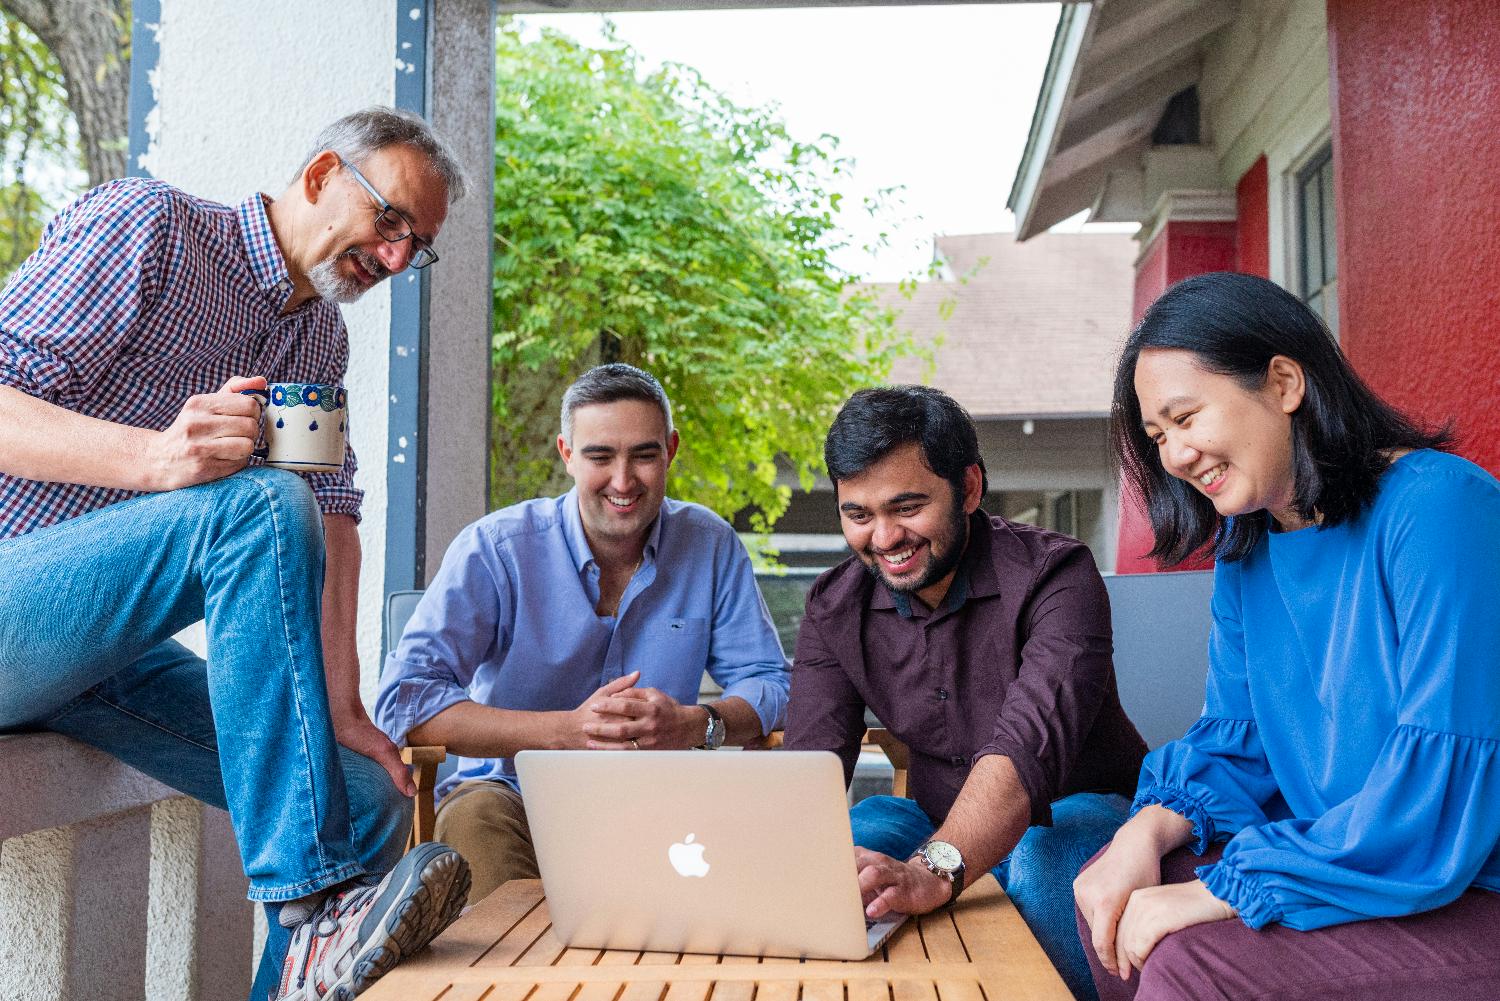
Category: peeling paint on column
[145,86]
[405,472]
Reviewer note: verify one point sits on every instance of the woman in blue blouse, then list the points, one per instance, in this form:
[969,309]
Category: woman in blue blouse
[1349,751]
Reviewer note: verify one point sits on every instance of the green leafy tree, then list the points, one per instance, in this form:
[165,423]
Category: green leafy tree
[34,138]
[64,89]
[646,218]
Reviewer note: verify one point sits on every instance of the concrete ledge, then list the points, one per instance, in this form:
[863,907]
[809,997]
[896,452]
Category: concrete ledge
[54,781]
[113,886]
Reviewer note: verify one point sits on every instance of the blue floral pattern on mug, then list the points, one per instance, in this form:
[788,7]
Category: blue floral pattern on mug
[313,395]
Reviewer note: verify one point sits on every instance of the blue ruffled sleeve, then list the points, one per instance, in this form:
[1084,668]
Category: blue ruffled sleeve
[1216,775]
[1426,818]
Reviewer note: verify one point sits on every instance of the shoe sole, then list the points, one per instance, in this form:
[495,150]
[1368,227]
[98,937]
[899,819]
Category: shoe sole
[423,900]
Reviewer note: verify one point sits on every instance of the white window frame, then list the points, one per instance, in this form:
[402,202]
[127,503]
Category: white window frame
[1302,136]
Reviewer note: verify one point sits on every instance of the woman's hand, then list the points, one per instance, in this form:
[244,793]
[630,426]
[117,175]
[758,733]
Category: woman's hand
[1155,912]
[1103,890]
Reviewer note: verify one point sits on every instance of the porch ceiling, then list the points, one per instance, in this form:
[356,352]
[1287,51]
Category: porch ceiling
[1114,66]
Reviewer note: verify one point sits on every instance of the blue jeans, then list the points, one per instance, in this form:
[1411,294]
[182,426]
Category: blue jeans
[1038,874]
[87,611]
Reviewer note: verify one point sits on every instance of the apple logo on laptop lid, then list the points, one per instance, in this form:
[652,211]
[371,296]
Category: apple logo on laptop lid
[687,858]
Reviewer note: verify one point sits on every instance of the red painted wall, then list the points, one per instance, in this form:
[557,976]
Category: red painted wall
[1252,252]
[1180,250]
[1416,127]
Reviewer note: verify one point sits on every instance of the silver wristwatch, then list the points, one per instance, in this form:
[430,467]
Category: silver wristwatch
[944,860]
[713,735]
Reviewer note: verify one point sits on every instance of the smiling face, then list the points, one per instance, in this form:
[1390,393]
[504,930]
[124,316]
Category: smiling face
[619,458]
[346,257]
[905,523]
[1233,445]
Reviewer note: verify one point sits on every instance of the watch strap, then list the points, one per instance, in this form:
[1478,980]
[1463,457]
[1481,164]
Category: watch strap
[715,728]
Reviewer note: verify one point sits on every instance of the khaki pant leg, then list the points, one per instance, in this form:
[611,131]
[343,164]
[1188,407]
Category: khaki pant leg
[485,822]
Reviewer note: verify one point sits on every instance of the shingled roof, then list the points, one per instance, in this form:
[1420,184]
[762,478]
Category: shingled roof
[1035,329]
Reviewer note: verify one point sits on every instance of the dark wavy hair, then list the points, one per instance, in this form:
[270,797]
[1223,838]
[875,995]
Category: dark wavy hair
[875,422]
[1235,324]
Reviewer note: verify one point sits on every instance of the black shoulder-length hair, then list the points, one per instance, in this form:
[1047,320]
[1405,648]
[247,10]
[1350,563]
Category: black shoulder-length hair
[1235,324]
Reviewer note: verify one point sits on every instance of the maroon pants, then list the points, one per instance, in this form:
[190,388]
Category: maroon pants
[1450,954]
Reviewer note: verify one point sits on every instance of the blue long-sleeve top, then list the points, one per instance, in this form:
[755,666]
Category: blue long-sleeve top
[1350,743]
[509,622]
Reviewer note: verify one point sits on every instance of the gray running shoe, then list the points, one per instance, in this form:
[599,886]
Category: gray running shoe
[359,933]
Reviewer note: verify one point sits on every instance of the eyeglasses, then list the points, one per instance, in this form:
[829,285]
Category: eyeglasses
[392,226]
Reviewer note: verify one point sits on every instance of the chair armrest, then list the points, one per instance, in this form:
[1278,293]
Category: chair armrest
[423,762]
[895,751]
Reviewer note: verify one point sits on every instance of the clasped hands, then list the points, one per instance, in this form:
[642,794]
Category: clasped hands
[1129,912]
[622,717]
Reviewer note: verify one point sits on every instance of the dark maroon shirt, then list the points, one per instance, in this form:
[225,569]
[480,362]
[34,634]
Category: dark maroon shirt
[1015,661]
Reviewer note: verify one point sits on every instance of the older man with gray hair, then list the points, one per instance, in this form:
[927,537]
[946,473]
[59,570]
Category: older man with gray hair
[127,513]
[582,621]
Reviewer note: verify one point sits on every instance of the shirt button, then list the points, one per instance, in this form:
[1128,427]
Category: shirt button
[959,761]
[942,694]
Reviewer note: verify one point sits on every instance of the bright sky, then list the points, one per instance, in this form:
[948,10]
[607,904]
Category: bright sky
[935,99]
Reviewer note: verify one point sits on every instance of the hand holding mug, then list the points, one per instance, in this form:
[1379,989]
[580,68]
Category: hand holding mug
[212,437]
[303,426]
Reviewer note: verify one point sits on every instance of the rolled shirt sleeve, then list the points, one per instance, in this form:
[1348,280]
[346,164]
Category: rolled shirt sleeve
[745,657]
[458,624]
[1065,673]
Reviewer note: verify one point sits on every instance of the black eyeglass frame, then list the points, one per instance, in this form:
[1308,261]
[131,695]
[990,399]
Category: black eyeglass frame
[388,219]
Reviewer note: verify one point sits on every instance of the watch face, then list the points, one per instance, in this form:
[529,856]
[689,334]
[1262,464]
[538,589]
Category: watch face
[943,855]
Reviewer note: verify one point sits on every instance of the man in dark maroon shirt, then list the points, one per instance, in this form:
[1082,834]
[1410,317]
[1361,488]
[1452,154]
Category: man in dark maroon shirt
[984,645]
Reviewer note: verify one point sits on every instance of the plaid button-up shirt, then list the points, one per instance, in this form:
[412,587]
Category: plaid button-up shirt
[141,296]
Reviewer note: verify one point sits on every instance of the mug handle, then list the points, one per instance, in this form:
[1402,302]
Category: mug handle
[265,400]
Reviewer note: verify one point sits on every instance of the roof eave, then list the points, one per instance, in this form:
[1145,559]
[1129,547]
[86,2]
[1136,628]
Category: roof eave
[1057,84]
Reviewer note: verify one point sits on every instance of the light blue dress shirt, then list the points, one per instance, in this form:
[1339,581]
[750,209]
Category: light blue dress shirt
[1350,746]
[509,622]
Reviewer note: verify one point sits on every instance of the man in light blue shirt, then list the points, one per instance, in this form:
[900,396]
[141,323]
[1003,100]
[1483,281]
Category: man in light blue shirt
[582,621]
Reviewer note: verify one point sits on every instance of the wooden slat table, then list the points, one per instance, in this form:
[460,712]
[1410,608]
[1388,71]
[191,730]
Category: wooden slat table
[504,950]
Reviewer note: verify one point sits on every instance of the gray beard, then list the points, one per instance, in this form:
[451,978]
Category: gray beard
[334,287]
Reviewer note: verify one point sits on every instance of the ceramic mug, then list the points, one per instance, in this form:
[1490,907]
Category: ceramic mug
[302,426]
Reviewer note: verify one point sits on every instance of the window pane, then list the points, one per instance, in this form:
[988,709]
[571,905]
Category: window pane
[1330,243]
[1312,237]
[1315,302]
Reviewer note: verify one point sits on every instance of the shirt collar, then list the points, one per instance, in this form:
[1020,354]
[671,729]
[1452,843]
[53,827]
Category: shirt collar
[974,578]
[578,542]
[267,266]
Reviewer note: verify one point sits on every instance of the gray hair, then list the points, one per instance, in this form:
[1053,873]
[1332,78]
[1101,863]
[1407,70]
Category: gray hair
[610,384]
[355,137]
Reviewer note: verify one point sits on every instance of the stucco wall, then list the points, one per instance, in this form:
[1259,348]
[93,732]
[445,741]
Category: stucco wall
[241,89]
[1415,125]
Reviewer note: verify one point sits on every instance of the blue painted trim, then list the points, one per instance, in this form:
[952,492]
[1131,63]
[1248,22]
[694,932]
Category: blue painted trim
[145,53]
[406,451]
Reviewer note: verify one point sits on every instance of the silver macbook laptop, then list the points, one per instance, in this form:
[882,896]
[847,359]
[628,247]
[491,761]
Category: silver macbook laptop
[747,853]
